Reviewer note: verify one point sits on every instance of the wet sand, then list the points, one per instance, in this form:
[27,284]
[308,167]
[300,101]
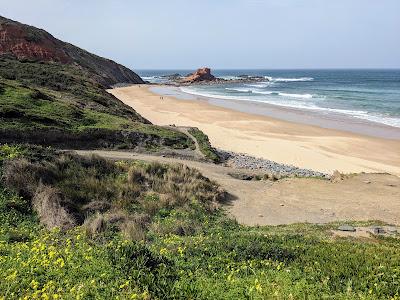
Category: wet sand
[302,145]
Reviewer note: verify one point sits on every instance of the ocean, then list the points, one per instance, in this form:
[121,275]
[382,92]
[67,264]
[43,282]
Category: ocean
[370,95]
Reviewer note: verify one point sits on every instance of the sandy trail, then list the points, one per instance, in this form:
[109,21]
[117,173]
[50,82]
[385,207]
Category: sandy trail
[301,145]
[361,197]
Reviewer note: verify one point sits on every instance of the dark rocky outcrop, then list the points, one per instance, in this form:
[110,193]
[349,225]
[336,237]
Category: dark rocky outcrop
[25,42]
[175,76]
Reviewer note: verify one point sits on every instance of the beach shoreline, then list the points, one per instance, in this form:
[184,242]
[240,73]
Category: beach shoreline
[301,145]
[331,120]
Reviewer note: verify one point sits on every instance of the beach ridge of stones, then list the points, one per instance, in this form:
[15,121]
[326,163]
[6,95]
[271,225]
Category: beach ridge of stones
[276,170]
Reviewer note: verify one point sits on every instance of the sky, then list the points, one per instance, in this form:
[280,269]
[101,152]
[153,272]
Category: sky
[224,34]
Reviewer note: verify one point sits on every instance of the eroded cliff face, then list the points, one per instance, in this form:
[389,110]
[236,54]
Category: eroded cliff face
[25,42]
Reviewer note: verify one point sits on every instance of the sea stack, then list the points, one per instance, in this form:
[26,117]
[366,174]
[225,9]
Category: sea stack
[202,74]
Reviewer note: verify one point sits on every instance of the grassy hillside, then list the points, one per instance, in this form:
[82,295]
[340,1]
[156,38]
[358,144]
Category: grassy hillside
[54,104]
[150,231]
[204,145]
[53,93]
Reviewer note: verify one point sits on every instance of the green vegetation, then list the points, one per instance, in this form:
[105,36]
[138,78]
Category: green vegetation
[204,144]
[151,231]
[66,83]
[60,105]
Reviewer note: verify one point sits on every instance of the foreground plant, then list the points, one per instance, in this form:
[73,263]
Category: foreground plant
[161,236]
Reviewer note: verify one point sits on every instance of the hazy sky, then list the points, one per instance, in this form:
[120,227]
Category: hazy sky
[175,34]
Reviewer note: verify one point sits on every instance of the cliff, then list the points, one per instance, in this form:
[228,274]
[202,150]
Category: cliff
[25,42]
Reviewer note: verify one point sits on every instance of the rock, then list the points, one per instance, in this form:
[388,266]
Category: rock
[203,74]
[378,230]
[241,176]
[175,76]
[367,181]
[347,228]
[273,170]
[27,43]
[392,230]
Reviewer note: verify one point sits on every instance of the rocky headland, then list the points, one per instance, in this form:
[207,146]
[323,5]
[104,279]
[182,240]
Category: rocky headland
[204,76]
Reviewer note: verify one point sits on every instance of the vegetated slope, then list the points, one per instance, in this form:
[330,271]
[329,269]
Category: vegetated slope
[53,93]
[27,42]
[144,238]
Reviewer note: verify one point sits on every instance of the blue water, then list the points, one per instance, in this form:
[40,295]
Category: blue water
[372,95]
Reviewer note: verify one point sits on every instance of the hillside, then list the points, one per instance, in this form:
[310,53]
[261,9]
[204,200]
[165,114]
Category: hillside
[53,93]
[26,42]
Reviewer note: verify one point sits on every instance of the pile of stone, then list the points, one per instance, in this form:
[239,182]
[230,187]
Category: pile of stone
[243,161]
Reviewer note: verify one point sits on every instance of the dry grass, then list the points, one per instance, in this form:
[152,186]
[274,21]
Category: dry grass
[178,227]
[47,202]
[24,177]
[95,224]
[69,190]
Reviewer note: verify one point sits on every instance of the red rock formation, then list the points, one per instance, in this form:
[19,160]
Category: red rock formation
[203,74]
[23,43]
[26,42]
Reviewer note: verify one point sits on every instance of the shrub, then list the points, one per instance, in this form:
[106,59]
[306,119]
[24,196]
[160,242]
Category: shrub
[68,190]
[147,269]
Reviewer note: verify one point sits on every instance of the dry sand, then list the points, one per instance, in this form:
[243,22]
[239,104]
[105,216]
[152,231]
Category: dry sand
[301,145]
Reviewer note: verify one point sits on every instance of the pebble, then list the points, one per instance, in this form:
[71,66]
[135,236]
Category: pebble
[275,170]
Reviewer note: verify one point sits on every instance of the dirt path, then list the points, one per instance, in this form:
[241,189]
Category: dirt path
[185,130]
[361,197]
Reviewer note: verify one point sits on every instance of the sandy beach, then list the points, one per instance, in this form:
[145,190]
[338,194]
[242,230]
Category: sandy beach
[286,142]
